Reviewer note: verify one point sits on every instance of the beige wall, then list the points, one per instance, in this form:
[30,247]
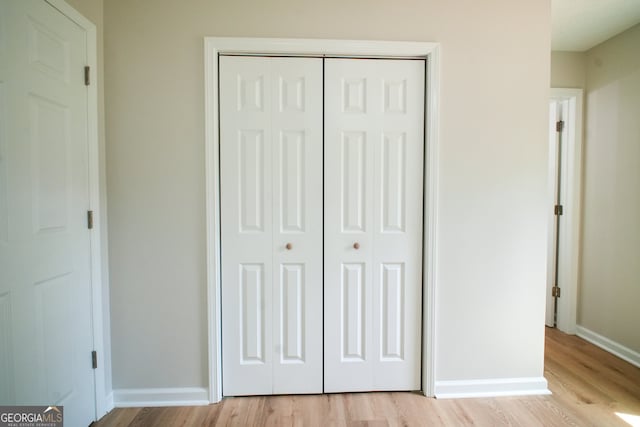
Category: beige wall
[568,70]
[93,11]
[491,256]
[610,269]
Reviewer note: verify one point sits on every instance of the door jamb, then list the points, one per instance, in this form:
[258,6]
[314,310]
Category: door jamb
[213,47]
[98,287]
[569,257]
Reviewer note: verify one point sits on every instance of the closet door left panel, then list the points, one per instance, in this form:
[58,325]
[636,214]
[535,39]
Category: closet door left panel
[271,224]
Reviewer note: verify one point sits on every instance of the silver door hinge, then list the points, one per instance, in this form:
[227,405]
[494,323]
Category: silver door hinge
[87,79]
[555,291]
[557,210]
[94,359]
[90,220]
[559,126]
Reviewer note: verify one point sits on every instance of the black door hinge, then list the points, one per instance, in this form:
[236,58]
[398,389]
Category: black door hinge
[557,210]
[90,220]
[94,359]
[559,126]
[555,291]
[87,74]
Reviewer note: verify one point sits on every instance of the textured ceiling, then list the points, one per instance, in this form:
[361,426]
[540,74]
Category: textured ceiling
[579,25]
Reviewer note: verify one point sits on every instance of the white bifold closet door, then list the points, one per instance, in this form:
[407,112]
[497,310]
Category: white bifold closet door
[373,198]
[274,211]
[271,224]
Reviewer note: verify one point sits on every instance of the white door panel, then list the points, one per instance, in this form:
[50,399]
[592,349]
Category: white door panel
[271,140]
[45,289]
[297,191]
[374,141]
[245,136]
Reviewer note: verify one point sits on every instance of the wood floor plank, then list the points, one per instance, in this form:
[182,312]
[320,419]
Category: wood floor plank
[589,387]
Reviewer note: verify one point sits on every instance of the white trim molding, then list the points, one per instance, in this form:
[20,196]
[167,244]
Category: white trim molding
[491,388]
[619,350]
[98,258]
[430,221]
[215,46]
[147,397]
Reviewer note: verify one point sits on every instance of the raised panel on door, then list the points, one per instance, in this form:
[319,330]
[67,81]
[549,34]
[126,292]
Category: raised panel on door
[271,218]
[374,115]
[353,321]
[45,288]
[297,224]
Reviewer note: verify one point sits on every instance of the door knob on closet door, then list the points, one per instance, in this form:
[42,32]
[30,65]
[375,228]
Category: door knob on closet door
[356,245]
[288,246]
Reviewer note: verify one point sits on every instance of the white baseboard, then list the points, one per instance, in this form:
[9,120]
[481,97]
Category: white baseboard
[138,397]
[491,387]
[611,346]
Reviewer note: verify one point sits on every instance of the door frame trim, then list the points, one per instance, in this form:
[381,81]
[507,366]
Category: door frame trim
[215,46]
[103,403]
[569,257]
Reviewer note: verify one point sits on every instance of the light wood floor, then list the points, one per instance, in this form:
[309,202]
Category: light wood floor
[588,384]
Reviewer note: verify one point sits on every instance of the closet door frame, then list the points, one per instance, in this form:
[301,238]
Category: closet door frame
[216,46]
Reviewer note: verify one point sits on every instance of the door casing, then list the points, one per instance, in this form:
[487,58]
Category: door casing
[215,46]
[571,183]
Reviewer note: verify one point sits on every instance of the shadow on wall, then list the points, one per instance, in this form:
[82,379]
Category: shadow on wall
[616,60]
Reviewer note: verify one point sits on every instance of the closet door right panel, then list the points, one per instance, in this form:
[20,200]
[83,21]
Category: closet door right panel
[373,200]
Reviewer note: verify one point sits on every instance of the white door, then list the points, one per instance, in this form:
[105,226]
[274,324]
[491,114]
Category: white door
[45,299]
[271,221]
[373,198]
